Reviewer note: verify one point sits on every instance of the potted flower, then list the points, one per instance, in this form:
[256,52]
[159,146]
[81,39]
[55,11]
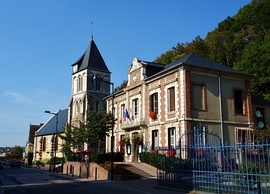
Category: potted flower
[170,153]
[138,138]
[125,141]
[153,114]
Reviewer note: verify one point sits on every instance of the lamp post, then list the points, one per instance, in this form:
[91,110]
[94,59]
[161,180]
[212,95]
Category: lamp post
[112,137]
[55,147]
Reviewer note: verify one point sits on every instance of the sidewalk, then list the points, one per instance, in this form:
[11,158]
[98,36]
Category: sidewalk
[146,185]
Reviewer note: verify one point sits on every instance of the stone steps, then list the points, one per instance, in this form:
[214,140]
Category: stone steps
[145,171]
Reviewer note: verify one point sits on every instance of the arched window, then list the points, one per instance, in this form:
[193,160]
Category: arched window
[97,82]
[56,142]
[44,144]
[74,86]
[77,108]
[97,106]
[79,84]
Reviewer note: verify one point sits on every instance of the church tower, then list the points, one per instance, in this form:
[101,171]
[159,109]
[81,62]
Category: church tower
[87,91]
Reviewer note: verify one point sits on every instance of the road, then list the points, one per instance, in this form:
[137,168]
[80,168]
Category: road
[33,181]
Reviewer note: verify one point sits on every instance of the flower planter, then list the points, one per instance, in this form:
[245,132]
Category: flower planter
[153,115]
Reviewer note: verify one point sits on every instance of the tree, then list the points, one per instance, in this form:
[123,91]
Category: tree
[74,138]
[17,152]
[97,127]
[256,61]
[262,135]
[122,86]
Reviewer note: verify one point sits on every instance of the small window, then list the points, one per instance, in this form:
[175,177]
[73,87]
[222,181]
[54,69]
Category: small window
[171,137]
[122,146]
[44,144]
[244,136]
[135,107]
[56,142]
[198,96]
[97,82]
[238,102]
[171,97]
[154,139]
[122,111]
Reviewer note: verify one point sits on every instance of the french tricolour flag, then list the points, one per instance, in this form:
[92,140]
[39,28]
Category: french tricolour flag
[126,114]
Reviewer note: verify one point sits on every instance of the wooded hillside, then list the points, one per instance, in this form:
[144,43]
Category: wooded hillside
[241,42]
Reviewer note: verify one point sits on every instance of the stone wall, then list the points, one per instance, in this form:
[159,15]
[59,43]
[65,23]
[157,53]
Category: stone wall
[79,169]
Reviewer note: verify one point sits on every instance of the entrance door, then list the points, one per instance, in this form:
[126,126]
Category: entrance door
[135,149]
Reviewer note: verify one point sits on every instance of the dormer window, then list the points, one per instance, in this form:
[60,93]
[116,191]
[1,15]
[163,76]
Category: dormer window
[75,68]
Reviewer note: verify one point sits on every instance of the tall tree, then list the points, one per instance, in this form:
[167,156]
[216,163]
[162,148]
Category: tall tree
[17,152]
[74,138]
[98,126]
[256,61]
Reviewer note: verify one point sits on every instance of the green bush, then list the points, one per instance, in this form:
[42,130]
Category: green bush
[38,162]
[161,161]
[103,157]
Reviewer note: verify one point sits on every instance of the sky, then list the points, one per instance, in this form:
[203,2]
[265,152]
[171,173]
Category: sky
[40,40]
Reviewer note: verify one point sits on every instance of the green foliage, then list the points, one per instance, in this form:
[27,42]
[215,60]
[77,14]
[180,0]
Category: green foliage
[74,138]
[241,42]
[153,159]
[38,162]
[103,157]
[94,132]
[97,127]
[246,173]
[17,152]
[262,134]
[161,161]
[30,157]
[123,85]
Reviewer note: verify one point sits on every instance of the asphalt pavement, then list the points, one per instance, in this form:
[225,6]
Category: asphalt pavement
[29,180]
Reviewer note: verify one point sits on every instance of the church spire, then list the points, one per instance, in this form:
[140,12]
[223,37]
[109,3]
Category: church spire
[91,59]
[92,31]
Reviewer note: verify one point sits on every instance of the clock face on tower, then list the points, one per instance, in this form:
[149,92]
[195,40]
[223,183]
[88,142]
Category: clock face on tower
[75,68]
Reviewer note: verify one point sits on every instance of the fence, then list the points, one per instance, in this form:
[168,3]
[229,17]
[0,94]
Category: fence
[213,167]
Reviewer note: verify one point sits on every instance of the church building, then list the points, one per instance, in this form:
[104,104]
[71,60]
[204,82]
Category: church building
[87,90]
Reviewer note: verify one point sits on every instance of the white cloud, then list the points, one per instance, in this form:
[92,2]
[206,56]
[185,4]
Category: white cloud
[17,97]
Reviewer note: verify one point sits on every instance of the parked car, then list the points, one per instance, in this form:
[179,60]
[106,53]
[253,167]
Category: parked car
[1,165]
[15,164]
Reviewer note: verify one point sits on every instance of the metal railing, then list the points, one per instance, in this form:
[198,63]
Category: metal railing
[216,168]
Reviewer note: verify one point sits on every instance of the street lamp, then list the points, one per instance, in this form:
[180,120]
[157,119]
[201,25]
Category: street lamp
[112,137]
[55,147]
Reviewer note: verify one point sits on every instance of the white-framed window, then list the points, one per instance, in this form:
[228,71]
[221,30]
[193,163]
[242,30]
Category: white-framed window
[154,102]
[135,107]
[199,137]
[171,137]
[122,111]
[244,136]
[155,143]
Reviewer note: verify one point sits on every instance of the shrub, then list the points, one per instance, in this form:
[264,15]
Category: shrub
[103,157]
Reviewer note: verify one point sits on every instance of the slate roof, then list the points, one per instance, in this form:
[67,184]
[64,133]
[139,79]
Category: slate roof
[91,59]
[259,100]
[32,131]
[152,68]
[50,126]
[201,62]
